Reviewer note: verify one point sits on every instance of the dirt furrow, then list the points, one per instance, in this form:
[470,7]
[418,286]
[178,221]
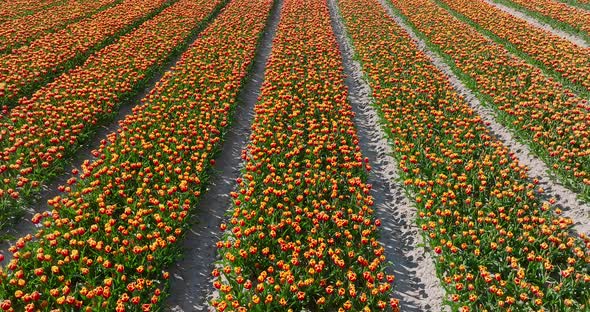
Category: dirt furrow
[190,278]
[566,199]
[416,284]
[539,24]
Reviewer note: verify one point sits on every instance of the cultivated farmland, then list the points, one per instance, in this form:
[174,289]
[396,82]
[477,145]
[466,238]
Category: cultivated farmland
[296,155]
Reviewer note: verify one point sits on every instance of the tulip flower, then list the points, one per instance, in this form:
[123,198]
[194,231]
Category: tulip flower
[490,233]
[107,252]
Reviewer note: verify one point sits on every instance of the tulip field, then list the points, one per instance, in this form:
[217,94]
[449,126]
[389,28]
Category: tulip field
[574,18]
[27,68]
[114,125]
[17,32]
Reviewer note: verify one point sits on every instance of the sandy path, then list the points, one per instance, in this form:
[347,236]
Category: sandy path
[416,284]
[566,199]
[24,226]
[190,282]
[539,24]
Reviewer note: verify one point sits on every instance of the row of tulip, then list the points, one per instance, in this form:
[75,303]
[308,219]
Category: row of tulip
[579,3]
[301,235]
[14,33]
[38,135]
[544,115]
[27,68]
[560,56]
[14,9]
[497,245]
[565,16]
[585,4]
[109,238]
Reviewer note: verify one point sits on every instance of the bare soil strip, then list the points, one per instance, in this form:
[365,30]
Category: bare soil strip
[416,284]
[539,24]
[566,199]
[24,226]
[190,277]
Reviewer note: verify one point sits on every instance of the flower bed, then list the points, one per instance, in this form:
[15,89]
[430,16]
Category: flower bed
[559,56]
[544,115]
[497,245]
[16,32]
[27,68]
[108,239]
[301,235]
[37,136]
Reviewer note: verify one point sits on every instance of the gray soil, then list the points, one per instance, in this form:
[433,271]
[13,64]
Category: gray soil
[191,286]
[416,284]
[566,199]
[577,40]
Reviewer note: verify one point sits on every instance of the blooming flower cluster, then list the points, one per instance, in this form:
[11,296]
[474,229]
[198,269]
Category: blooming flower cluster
[29,66]
[107,240]
[497,245]
[16,32]
[18,8]
[578,18]
[550,119]
[563,57]
[301,235]
[38,134]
